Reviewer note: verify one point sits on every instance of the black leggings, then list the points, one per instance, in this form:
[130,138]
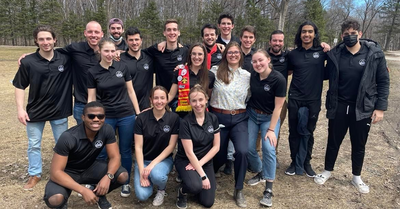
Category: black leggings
[192,183]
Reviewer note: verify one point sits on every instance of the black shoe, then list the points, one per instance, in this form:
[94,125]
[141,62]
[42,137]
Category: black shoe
[181,200]
[267,198]
[309,171]
[239,198]
[228,167]
[256,179]
[291,170]
[103,203]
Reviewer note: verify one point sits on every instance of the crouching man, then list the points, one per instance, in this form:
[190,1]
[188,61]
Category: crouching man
[74,162]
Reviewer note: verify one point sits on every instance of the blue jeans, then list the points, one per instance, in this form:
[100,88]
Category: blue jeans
[125,127]
[158,176]
[34,131]
[268,165]
[78,111]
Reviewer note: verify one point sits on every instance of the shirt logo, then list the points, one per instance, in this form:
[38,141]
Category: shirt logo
[98,144]
[179,58]
[219,56]
[119,74]
[166,128]
[267,87]
[316,55]
[146,66]
[361,62]
[61,68]
[210,129]
[282,59]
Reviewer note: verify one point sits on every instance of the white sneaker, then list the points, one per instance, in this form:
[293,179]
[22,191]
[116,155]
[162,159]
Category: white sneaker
[159,198]
[321,179]
[361,187]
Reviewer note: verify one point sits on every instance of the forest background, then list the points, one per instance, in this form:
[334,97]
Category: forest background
[380,19]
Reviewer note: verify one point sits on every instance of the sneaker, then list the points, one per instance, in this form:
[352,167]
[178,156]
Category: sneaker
[181,200]
[228,167]
[267,198]
[256,179]
[291,170]
[126,190]
[178,179]
[321,179]
[361,187]
[309,171]
[239,198]
[103,203]
[217,174]
[89,186]
[159,198]
[32,181]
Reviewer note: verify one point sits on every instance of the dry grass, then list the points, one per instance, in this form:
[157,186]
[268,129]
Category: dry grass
[381,166]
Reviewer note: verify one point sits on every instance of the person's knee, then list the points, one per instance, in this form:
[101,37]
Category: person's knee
[142,195]
[123,177]
[193,187]
[55,201]
[158,177]
[208,203]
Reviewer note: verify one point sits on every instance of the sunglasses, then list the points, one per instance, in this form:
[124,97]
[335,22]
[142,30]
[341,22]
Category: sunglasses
[99,116]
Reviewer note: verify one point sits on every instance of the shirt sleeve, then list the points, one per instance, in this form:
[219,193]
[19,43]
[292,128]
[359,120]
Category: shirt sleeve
[127,74]
[215,123]
[65,144]
[110,134]
[21,79]
[91,82]
[184,131]
[175,128]
[280,86]
[175,77]
[211,80]
[139,124]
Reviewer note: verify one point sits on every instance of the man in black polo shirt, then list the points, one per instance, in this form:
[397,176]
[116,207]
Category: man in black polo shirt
[173,55]
[116,29]
[48,75]
[74,162]
[140,65]
[247,38]
[209,37]
[307,62]
[226,25]
[358,95]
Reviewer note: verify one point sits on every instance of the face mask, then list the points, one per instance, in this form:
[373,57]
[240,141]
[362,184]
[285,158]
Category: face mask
[350,40]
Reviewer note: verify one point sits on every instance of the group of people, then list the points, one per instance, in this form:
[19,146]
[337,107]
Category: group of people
[220,91]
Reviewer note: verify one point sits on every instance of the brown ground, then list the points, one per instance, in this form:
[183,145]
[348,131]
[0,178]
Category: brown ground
[381,168]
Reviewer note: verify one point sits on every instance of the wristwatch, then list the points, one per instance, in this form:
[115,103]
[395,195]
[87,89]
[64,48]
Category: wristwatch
[110,176]
[204,178]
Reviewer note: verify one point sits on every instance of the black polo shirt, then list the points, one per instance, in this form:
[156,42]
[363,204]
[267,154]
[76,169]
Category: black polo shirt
[122,46]
[141,71]
[263,92]
[50,86]
[110,85]
[308,73]
[216,57]
[247,60]
[280,62]
[81,152]
[351,70]
[233,38]
[202,136]
[83,57]
[166,62]
[156,134]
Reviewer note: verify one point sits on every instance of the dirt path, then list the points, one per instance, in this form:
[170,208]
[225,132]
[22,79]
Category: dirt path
[381,166]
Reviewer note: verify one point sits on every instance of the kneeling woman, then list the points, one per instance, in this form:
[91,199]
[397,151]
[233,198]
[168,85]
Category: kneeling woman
[268,91]
[199,134]
[156,133]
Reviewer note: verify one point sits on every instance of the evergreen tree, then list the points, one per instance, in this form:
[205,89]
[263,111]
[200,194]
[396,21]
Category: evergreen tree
[315,13]
[49,14]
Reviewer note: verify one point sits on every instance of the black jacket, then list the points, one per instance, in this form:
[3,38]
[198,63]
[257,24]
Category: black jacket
[373,91]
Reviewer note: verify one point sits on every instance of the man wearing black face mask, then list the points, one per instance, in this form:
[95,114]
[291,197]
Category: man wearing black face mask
[358,95]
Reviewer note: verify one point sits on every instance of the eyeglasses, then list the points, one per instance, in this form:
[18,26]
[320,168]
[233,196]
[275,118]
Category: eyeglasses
[99,116]
[233,52]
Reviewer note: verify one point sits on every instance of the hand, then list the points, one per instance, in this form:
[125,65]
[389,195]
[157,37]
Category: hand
[118,55]
[377,116]
[147,170]
[103,186]
[221,47]
[144,182]
[161,46]
[271,136]
[326,47]
[22,57]
[89,196]
[189,167]
[23,117]
[206,184]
